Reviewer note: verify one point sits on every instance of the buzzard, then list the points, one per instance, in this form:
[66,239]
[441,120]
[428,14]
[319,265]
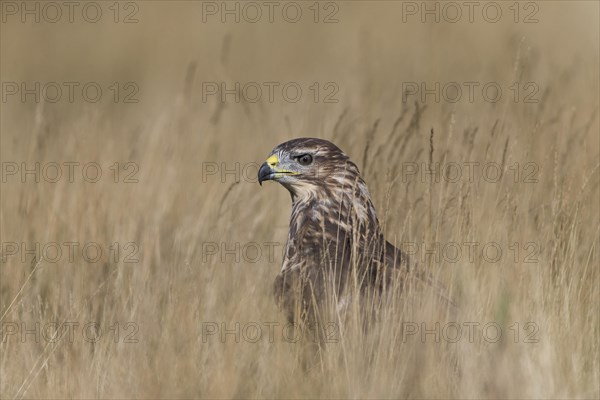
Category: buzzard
[335,248]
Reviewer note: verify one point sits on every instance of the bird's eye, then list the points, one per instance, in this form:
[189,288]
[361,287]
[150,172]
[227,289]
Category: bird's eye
[305,159]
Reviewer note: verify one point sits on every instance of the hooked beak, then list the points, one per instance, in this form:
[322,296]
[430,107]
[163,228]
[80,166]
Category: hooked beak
[269,170]
[265,173]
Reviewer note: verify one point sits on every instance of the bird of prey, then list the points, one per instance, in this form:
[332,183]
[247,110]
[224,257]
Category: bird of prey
[335,248]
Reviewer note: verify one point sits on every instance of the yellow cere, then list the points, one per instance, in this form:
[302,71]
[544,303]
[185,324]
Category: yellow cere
[272,161]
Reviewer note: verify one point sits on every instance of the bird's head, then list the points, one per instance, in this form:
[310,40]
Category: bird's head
[307,166]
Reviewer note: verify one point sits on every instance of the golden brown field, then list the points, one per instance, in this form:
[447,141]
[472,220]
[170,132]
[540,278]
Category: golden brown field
[179,304]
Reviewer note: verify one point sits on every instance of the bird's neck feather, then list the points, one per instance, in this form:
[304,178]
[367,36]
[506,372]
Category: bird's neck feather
[341,199]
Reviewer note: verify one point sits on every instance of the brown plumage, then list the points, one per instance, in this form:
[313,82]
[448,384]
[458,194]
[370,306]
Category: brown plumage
[335,246]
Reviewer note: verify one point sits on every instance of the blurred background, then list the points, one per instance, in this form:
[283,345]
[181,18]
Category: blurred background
[131,133]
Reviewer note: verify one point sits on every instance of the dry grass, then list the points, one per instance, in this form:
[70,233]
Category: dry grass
[172,212]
